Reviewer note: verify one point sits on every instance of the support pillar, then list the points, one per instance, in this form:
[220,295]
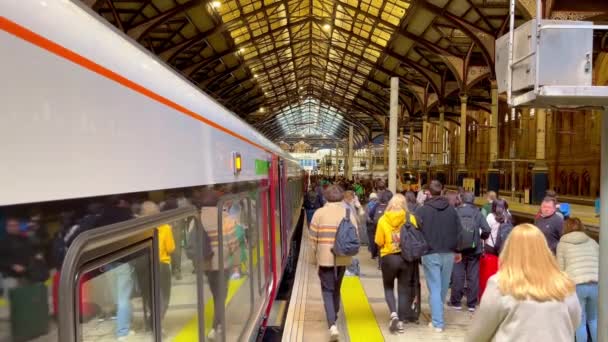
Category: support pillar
[392,131]
[336,166]
[423,168]
[351,159]
[370,153]
[493,172]
[400,158]
[385,159]
[540,172]
[603,239]
[441,155]
[410,151]
[461,173]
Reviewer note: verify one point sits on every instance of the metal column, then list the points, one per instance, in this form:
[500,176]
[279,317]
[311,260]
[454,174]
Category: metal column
[425,138]
[410,151]
[462,151]
[603,281]
[494,124]
[336,168]
[441,135]
[351,161]
[392,132]
[400,155]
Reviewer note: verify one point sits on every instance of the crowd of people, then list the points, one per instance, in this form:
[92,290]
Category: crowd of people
[511,275]
[29,254]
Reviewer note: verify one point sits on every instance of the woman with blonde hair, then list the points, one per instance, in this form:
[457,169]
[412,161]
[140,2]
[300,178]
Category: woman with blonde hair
[529,299]
[393,266]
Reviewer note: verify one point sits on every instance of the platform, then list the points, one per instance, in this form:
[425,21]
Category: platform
[364,314]
[584,212]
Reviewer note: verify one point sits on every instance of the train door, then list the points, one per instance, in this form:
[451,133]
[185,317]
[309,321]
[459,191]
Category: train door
[276,219]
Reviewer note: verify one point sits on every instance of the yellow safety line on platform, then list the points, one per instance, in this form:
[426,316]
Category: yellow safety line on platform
[2,302]
[360,319]
[190,331]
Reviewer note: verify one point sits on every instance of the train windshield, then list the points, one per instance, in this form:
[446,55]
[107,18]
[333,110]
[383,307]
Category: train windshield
[409,178]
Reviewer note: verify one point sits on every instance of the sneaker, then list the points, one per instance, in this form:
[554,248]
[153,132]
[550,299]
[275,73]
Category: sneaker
[213,334]
[334,334]
[434,328]
[400,327]
[454,307]
[471,310]
[393,322]
[125,337]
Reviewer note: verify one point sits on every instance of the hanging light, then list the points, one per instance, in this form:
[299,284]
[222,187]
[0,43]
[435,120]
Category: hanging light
[327,27]
[216,4]
[262,110]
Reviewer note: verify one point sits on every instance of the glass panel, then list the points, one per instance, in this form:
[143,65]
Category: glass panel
[235,233]
[118,296]
[178,283]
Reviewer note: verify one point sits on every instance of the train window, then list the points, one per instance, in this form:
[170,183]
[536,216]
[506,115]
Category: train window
[115,298]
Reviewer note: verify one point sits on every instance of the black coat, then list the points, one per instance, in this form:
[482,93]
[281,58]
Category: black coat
[16,250]
[481,222]
[552,226]
[440,225]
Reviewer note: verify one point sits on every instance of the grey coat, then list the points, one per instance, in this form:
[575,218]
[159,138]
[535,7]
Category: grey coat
[504,318]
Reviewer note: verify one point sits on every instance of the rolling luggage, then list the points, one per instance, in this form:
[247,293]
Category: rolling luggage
[488,266]
[413,311]
[29,309]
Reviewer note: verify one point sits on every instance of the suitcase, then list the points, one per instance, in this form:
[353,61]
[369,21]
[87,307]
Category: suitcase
[29,309]
[488,266]
[413,310]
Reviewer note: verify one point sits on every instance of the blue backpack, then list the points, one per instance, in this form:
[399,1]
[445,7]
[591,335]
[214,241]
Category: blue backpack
[346,241]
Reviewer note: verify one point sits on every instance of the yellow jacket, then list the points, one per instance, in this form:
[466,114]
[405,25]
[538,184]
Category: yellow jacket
[388,232]
[166,244]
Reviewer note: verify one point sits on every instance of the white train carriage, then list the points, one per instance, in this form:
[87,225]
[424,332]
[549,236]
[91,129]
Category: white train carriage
[87,113]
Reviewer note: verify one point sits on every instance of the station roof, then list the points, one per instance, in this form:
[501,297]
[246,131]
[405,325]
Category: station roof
[310,68]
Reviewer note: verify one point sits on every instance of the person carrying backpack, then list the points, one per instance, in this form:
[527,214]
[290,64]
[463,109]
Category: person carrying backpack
[331,234]
[441,227]
[500,224]
[383,198]
[474,229]
[393,265]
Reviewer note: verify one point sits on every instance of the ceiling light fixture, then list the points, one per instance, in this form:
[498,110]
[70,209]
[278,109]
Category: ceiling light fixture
[262,110]
[327,27]
[255,76]
[216,4]
[241,50]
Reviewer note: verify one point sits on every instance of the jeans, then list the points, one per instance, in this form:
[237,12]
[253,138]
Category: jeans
[124,288]
[588,297]
[395,267]
[165,288]
[176,257]
[467,269]
[219,292]
[437,271]
[330,290]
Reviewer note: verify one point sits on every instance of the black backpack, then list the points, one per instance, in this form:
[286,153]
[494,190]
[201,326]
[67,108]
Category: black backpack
[467,238]
[378,212]
[346,241]
[501,237]
[412,243]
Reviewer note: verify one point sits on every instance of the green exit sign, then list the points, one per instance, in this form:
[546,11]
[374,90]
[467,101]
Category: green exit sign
[261,167]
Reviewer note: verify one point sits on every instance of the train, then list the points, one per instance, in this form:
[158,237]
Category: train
[89,116]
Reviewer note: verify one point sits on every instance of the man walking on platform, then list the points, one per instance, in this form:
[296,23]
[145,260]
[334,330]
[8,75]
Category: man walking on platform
[441,227]
[322,234]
